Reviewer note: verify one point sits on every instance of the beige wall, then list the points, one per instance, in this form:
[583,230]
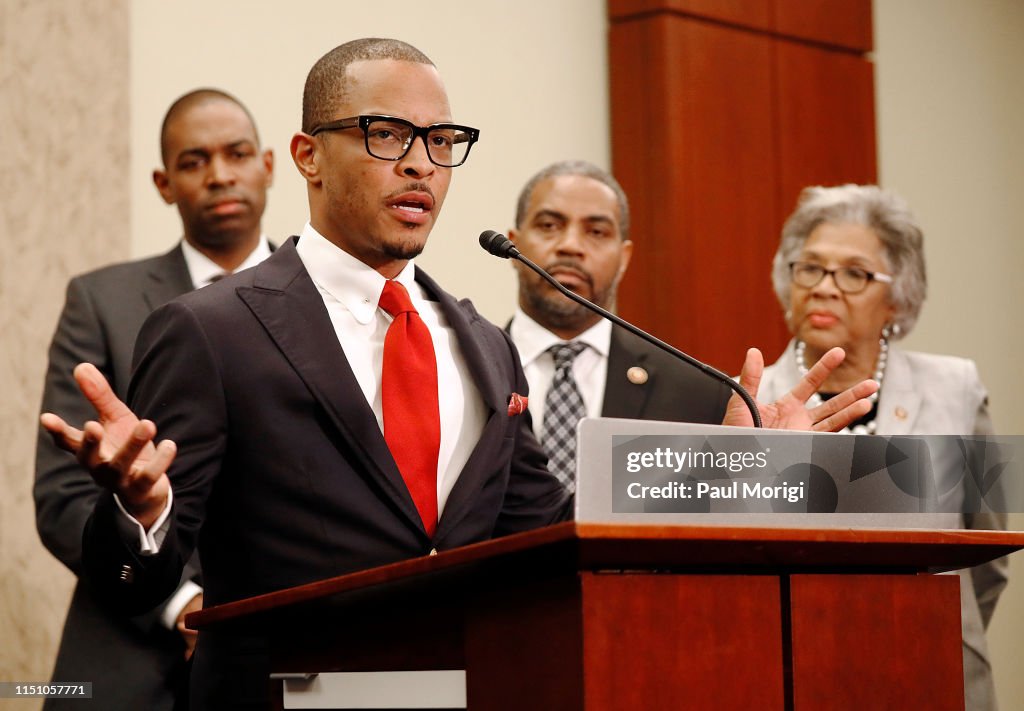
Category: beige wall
[951,140]
[531,74]
[950,101]
[63,209]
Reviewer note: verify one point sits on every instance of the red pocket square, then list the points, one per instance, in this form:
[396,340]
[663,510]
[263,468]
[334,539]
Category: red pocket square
[516,404]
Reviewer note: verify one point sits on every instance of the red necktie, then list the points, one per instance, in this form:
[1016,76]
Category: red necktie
[412,423]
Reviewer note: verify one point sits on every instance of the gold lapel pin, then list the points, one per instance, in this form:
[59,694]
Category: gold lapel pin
[637,375]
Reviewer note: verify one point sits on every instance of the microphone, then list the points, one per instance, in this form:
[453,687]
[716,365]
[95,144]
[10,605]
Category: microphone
[501,246]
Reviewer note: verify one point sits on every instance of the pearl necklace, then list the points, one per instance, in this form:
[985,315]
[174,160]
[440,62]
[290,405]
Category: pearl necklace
[815,399]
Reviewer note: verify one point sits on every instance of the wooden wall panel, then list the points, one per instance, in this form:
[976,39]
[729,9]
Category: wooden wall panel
[826,119]
[718,120]
[682,642]
[878,639]
[842,23]
[757,14]
[698,269]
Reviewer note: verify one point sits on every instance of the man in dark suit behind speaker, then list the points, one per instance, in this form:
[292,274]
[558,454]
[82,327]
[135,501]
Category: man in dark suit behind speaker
[216,174]
[572,218]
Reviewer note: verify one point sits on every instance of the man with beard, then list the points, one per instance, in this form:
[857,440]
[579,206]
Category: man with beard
[217,175]
[572,219]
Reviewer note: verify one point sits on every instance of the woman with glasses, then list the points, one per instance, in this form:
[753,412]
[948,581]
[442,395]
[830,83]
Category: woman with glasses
[850,272]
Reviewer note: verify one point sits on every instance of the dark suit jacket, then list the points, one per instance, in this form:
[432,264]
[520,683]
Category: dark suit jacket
[282,475]
[101,318]
[674,391]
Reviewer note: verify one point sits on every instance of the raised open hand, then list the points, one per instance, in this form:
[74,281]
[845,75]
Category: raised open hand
[790,412]
[117,449]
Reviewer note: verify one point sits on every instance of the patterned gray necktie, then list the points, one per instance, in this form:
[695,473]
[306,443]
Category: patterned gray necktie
[563,408]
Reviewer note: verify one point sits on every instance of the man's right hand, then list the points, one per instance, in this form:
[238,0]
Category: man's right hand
[118,450]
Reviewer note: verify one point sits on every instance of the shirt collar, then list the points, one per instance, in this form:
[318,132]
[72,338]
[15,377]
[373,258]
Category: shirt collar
[355,285]
[532,339]
[203,270]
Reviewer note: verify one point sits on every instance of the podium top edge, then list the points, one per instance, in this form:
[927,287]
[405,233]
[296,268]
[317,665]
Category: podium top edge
[582,547]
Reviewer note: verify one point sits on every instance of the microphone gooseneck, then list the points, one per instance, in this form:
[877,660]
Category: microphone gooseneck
[501,246]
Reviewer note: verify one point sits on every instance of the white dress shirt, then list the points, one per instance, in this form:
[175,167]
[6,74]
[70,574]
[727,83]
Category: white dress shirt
[350,291]
[590,367]
[204,271]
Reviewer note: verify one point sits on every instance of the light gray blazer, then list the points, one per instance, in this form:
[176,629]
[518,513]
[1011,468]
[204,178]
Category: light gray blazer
[934,394]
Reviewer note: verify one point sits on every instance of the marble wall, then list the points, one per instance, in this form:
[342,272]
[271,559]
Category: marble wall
[64,209]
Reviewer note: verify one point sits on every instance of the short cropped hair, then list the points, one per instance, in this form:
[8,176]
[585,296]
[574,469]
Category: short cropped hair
[881,211]
[583,169]
[194,98]
[327,82]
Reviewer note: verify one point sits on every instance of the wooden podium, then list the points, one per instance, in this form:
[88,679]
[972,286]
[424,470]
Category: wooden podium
[594,616]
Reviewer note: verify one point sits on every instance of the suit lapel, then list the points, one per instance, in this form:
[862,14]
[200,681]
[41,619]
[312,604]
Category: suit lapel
[167,279]
[899,402]
[286,302]
[622,397]
[487,373]
[469,328]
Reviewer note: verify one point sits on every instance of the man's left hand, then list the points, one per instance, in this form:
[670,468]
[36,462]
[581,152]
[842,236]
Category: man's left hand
[188,634]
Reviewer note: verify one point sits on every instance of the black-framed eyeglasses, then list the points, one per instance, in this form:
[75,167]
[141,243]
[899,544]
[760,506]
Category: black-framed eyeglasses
[849,280]
[390,138]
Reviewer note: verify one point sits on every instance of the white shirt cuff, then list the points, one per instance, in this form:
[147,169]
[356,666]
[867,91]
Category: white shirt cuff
[174,606]
[149,541]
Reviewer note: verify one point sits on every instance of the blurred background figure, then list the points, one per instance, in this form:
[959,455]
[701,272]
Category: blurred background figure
[216,174]
[572,218]
[850,272]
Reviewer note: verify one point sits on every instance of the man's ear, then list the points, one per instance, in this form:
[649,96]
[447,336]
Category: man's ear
[624,256]
[513,235]
[268,165]
[163,186]
[304,153]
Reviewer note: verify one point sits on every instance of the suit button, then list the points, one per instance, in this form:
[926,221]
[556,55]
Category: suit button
[127,574]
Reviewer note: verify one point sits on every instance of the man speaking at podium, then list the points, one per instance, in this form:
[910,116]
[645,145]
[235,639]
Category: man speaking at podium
[333,409]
